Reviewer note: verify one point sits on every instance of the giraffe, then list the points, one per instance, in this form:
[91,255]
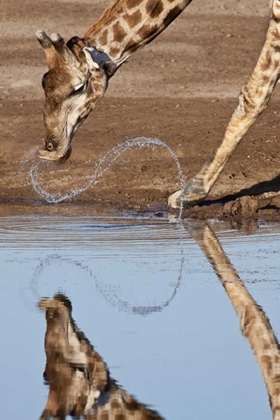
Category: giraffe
[254,323]
[80,70]
[79,380]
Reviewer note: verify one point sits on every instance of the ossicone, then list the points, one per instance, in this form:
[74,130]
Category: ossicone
[52,45]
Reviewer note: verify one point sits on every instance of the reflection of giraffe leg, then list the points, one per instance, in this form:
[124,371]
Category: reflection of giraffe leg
[254,324]
[253,100]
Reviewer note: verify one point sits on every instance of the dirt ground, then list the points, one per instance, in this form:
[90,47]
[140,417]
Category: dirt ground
[181,89]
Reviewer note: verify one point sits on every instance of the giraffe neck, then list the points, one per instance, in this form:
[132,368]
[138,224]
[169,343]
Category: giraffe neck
[128,25]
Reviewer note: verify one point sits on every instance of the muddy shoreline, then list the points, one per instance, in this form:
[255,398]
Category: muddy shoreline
[180,89]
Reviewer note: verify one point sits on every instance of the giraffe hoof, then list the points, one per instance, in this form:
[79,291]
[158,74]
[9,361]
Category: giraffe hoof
[193,194]
[178,199]
[173,199]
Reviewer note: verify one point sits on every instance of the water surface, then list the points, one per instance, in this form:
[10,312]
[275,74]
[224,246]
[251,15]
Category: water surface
[149,298]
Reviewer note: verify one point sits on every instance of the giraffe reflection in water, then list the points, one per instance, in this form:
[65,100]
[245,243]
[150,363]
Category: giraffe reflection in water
[254,323]
[79,381]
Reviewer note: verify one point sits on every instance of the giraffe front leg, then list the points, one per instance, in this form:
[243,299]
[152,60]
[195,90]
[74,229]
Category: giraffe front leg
[253,100]
[199,187]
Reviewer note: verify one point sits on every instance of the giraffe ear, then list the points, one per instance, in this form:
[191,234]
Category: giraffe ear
[92,57]
[98,60]
[95,59]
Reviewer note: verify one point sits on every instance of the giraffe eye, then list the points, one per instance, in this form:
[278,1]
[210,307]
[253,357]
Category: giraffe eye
[79,88]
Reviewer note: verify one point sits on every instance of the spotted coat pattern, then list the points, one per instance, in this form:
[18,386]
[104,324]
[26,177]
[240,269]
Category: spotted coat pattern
[79,381]
[254,323]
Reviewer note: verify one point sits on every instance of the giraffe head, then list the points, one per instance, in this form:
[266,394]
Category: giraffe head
[76,80]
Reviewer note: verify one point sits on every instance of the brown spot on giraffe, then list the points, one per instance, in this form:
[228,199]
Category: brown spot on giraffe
[133,19]
[147,29]
[267,62]
[104,37]
[118,32]
[132,404]
[154,9]
[276,35]
[115,404]
[276,65]
[131,4]
[131,46]
[248,102]
[104,415]
[120,417]
[171,15]
[266,346]
[265,79]
[114,52]
[267,361]
[111,20]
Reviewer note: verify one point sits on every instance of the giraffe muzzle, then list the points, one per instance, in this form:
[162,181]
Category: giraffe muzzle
[59,156]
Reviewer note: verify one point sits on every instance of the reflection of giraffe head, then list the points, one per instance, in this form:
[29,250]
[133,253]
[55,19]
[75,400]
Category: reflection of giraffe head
[59,300]
[58,306]
[78,378]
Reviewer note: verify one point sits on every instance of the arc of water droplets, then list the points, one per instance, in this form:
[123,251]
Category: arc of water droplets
[114,300]
[110,157]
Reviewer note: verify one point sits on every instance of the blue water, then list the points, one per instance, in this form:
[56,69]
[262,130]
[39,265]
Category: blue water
[148,299]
